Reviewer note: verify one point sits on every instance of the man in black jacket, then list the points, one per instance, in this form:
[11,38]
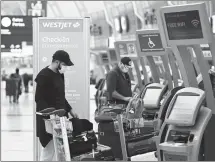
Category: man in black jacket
[50,92]
[119,83]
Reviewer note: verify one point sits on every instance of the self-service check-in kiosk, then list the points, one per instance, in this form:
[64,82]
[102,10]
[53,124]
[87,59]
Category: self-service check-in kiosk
[113,57]
[186,27]
[129,49]
[186,121]
[152,96]
[103,60]
[149,44]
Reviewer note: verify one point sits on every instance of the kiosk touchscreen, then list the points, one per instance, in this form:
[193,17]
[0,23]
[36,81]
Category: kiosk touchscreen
[153,94]
[185,107]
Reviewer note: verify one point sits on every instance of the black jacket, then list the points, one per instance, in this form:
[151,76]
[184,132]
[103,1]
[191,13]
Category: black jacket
[120,82]
[50,92]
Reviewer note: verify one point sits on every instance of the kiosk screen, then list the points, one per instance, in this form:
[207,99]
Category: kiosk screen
[104,58]
[184,109]
[152,96]
[113,56]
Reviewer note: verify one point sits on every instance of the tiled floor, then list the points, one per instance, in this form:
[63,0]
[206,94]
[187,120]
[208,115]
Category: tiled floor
[17,129]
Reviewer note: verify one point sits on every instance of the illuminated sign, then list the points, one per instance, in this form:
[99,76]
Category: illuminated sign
[126,48]
[150,42]
[150,17]
[52,34]
[36,8]
[183,25]
[14,31]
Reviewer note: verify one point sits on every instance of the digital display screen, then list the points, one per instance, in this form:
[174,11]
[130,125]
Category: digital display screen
[104,58]
[150,42]
[113,55]
[152,96]
[184,108]
[183,25]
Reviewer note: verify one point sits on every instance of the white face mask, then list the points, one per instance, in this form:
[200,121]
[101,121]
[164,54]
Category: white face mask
[63,69]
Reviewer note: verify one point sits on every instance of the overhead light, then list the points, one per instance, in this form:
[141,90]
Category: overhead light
[117,24]
[124,23]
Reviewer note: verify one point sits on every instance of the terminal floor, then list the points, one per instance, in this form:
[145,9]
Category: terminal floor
[17,129]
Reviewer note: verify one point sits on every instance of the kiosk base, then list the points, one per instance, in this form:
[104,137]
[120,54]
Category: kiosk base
[209,142]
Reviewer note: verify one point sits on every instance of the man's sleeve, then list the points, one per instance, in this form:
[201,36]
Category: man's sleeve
[111,81]
[68,107]
[40,94]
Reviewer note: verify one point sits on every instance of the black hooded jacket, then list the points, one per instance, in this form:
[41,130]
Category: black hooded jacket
[50,92]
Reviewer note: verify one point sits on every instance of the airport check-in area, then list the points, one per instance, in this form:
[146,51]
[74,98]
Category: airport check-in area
[140,93]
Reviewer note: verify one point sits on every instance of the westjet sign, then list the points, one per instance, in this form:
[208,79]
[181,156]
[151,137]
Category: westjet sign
[62,25]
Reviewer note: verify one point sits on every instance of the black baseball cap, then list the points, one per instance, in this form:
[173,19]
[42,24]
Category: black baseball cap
[126,61]
[63,56]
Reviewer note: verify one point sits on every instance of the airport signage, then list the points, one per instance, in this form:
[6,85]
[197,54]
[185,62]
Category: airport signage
[68,35]
[150,42]
[183,25]
[36,8]
[14,31]
[126,48]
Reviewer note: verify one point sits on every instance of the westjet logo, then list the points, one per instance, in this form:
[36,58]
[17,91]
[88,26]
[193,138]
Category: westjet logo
[60,25]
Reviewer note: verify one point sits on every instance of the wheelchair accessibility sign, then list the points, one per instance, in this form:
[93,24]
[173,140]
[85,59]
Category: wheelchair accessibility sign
[150,42]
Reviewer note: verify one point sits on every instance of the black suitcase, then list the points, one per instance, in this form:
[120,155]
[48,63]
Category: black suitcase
[108,137]
[140,144]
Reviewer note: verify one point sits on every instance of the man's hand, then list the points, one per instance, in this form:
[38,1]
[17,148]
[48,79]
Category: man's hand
[73,114]
[127,98]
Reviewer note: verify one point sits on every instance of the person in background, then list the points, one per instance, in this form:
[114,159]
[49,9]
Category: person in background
[4,75]
[26,80]
[19,84]
[50,92]
[119,83]
[11,88]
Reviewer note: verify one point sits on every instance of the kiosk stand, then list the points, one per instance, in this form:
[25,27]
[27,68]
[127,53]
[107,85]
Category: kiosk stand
[113,57]
[185,27]
[128,49]
[152,96]
[149,44]
[187,122]
[103,60]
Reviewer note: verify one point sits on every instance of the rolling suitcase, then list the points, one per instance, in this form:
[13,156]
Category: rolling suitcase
[107,136]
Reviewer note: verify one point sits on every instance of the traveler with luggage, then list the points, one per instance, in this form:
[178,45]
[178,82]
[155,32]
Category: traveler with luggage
[50,92]
[118,91]
[119,83]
